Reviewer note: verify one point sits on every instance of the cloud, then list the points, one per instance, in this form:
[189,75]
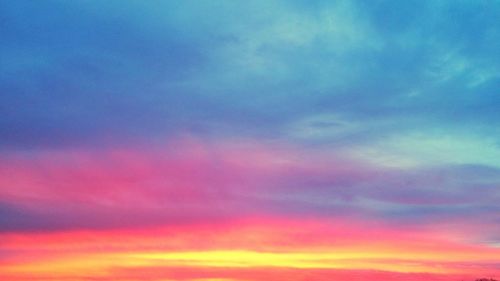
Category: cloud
[431,148]
[183,181]
[192,180]
[145,71]
[233,247]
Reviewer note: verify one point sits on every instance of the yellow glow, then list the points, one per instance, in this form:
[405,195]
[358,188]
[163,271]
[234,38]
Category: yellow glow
[227,259]
[374,259]
[329,260]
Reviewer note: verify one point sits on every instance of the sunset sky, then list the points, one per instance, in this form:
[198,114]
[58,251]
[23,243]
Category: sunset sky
[249,140]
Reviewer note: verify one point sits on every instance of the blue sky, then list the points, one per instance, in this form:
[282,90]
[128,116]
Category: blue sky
[73,73]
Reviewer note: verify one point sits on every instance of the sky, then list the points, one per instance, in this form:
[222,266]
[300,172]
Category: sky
[249,140]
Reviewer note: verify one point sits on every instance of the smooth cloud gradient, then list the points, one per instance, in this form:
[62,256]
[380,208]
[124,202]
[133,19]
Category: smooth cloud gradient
[259,140]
